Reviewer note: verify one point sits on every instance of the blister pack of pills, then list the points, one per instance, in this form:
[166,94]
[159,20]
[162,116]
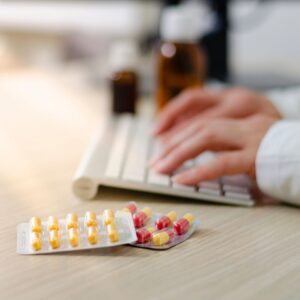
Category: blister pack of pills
[161,232]
[76,233]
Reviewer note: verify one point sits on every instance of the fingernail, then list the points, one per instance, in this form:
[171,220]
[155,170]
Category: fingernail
[160,166]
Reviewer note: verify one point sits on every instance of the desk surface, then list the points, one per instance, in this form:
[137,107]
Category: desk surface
[46,121]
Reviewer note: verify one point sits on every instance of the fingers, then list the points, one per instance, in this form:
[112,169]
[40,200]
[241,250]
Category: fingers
[211,138]
[230,163]
[187,101]
[178,138]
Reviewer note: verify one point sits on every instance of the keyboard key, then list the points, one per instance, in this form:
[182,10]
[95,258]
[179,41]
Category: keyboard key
[186,166]
[204,158]
[235,188]
[114,165]
[244,196]
[153,176]
[182,187]
[136,160]
[210,191]
[214,184]
[237,180]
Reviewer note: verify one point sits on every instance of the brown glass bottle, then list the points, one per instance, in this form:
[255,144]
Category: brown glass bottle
[180,65]
[124,85]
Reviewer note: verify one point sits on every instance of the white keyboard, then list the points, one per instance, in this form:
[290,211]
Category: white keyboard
[119,158]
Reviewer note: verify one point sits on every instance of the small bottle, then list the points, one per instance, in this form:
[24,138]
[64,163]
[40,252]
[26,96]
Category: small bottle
[124,78]
[181,62]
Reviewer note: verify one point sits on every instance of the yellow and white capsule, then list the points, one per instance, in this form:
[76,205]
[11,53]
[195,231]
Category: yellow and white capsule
[72,221]
[90,219]
[112,232]
[92,235]
[53,223]
[36,241]
[109,216]
[73,237]
[54,239]
[36,224]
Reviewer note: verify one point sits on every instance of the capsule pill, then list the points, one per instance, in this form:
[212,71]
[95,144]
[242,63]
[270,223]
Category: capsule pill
[36,241]
[92,235]
[182,225]
[36,224]
[144,235]
[112,232]
[73,237]
[162,238]
[90,219]
[72,221]
[53,223]
[140,218]
[130,207]
[109,216]
[54,239]
[166,221]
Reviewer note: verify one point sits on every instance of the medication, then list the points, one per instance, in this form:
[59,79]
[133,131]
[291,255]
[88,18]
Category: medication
[73,237]
[113,233]
[36,241]
[72,221]
[163,237]
[53,223]
[36,224]
[123,62]
[81,234]
[54,239]
[140,218]
[166,221]
[183,224]
[181,61]
[130,207]
[90,219]
[109,216]
[92,235]
[144,235]
[151,238]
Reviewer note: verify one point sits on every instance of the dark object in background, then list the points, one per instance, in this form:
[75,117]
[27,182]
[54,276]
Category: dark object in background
[123,61]
[215,43]
[124,88]
[181,63]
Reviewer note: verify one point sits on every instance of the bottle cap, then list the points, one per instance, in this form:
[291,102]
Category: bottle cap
[179,23]
[123,56]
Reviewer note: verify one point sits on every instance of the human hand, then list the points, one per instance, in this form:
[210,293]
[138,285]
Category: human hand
[237,142]
[198,103]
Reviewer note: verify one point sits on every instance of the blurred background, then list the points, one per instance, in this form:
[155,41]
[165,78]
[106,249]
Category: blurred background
[249,42]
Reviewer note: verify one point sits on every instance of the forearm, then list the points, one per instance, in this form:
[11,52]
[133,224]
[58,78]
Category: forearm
[278,162]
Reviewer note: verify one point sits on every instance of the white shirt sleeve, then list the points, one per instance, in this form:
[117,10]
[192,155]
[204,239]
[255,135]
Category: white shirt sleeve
[278,162]
[287,102]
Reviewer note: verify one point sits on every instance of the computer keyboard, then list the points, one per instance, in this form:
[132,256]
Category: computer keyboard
[118,157]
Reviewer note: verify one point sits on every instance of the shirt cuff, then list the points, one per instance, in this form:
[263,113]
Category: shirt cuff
[278,162]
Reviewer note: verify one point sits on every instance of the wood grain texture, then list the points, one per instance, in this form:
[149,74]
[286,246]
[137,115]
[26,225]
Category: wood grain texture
[46,121]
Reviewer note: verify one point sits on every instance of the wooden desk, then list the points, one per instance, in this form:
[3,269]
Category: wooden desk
[240,253]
